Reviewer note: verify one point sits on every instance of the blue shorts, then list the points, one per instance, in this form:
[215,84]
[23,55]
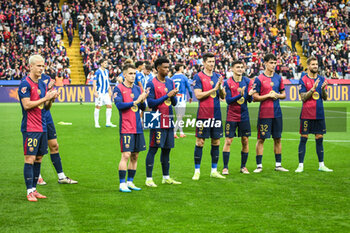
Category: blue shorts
[312,126]
[209,132]
[132,142]
[270,126]
[243,128]
[163,138]
[51,131]
[34,143]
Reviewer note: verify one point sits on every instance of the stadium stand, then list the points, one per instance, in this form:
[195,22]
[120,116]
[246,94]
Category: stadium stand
[144,30]
[322,27]
[29,27]
[180,30]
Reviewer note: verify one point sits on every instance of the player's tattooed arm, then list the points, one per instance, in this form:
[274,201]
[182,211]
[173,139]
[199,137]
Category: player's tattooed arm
[306,95]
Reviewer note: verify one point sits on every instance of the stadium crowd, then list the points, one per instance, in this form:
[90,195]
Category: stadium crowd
[182,31]
[31,27]
[322,28]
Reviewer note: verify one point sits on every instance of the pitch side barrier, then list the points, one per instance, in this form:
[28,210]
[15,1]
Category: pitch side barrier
[84,93]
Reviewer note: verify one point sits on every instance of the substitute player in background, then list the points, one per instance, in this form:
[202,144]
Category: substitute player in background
[312,90]
[102,93]
[269,89]
[182,84]
[129,101]
[121,78]
[238,92]
[35,100]
[140,77]
[52,141]
[148,73]
[161,99]
[208,89]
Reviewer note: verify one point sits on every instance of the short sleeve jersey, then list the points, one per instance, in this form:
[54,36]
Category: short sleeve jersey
[102,81]
[33,120]
[210,106]
[263,85]
[182,83]
[313,107]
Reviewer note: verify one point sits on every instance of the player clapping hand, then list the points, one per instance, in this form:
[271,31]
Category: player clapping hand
[316,84]
[173,92]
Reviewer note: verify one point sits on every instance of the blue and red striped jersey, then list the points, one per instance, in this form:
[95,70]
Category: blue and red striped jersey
[313,107]
[237,111]
[159,100]
[129,114]
[33,120]
[264,85]
[209,107]
[46,79]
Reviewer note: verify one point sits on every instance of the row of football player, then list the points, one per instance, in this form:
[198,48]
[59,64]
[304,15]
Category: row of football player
[161,94]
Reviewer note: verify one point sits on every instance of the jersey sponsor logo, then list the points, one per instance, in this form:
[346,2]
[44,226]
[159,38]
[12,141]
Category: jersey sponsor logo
[24,90]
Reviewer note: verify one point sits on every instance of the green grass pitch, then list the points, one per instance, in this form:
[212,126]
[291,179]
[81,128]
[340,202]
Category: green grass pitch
[266,202]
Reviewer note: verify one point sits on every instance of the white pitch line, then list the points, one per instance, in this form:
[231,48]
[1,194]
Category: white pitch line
[292,139]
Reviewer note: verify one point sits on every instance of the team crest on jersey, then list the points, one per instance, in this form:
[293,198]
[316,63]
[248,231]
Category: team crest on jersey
[127,145]
[158,141]
[132,95]
[24,90]
[262,133]
[299,87]
[114,95]
[31,149]
[46,81]
[272,84]
[39,92]
[239,89]
[166,89]
[211,83]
